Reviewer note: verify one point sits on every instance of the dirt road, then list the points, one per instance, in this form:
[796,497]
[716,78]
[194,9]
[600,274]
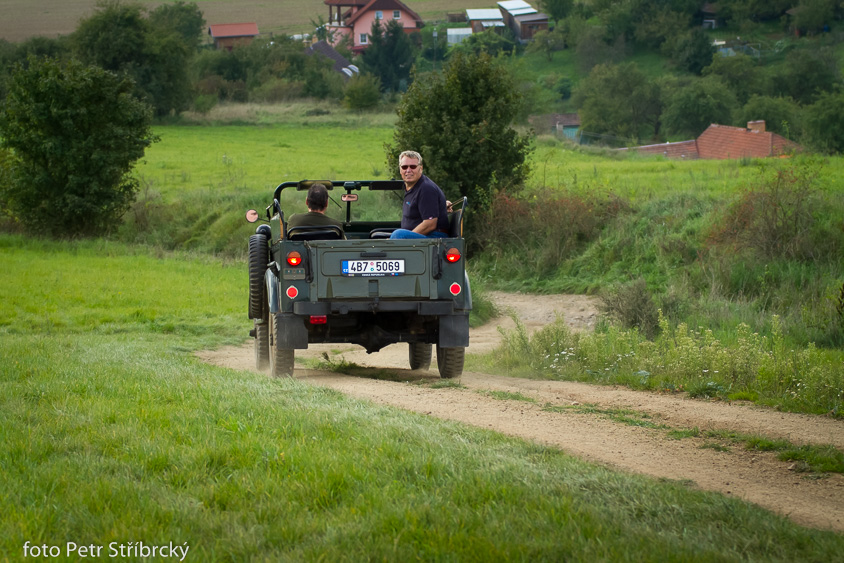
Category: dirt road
[753,476]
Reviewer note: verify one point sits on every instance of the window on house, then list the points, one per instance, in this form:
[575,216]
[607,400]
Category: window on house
[363,39]
[379,15]
[396,15]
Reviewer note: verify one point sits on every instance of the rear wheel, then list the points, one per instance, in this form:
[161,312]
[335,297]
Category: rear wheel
[450,361]
[262,345]
[258,260]
[281,359]
[420,355]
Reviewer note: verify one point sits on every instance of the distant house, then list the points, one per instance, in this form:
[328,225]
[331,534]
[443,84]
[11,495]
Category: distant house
[229,35]
[561,124]
[722,142]
[354,18]
[483,19]
[523,19]
[341,63]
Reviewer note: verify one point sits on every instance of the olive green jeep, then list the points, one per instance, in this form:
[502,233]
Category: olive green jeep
[320,284]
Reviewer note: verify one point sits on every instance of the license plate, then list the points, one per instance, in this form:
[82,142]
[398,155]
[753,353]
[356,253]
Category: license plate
[373,268]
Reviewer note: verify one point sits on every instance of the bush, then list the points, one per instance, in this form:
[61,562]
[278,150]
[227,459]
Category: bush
[76,130]
[775,218]
[204,103]
[632,306]
[363,92]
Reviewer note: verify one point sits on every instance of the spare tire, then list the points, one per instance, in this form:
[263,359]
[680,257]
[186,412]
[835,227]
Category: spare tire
[259,258]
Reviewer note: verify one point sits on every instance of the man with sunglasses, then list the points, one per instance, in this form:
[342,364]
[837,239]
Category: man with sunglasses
[424,210]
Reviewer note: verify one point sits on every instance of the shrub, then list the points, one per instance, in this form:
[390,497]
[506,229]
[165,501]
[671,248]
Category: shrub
[632,306]
[362,92]
[204,103]
[775,217]
[76,130]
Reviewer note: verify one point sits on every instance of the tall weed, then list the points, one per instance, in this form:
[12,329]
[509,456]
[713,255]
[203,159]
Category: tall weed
[682,359]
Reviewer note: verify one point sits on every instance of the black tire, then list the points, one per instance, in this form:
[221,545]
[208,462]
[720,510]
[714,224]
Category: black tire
[281,359]
[259,258]
[450,361]
[420,354]
[262,345]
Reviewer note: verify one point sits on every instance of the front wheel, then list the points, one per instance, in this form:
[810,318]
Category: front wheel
[450,361]
[420,355]
[281,359]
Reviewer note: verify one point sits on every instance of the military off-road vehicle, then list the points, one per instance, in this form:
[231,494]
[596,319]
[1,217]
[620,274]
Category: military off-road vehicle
[355,285]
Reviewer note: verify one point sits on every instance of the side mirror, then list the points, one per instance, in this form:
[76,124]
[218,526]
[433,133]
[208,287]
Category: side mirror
[251,216]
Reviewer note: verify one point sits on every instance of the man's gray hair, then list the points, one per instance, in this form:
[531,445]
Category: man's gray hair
[411,154]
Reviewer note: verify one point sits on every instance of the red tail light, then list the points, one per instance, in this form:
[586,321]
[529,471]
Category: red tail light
[319,319]
[455,288]
[294,258]
[292,292]
[452,255]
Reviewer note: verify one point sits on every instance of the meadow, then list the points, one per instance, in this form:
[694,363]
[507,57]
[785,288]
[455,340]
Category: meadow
[114,432]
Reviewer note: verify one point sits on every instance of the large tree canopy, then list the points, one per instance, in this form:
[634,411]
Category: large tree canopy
[461,123]
[75,131]
[155,52]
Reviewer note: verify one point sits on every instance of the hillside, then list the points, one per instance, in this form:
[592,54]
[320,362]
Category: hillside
[23,19]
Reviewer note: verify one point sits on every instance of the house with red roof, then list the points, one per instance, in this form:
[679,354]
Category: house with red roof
[722,142]
[354,19]
[230,35]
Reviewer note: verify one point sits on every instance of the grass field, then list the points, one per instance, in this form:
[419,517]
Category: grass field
[27,18]
[113,432]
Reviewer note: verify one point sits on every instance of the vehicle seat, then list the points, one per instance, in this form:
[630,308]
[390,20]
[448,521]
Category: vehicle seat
[383,232]
[322,232]
[455,221]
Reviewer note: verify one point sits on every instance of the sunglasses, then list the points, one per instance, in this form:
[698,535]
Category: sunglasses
[411,166]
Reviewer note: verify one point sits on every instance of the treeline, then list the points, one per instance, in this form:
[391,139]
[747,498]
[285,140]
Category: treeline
[792,84]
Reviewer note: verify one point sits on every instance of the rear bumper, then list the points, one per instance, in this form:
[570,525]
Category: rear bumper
[378,306]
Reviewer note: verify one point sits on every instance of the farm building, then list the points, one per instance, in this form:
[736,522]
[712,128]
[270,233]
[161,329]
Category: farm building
[229,35]
[722,142]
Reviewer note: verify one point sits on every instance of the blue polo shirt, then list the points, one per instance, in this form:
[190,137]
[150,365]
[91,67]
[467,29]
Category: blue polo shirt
[425,200]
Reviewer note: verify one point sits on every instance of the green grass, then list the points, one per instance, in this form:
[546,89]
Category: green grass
[257,159]
[624,416]
[114,432]
[506,395]
[678,360]
[815,458]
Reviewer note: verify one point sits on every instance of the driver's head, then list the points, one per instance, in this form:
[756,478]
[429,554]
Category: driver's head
[317,199]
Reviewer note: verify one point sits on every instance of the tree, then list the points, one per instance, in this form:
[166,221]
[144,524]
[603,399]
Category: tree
[558,9]
[390,55]
[807,73]
[693,107]
[741,73]
[619,100]
[75,131]
[781,115]
[119,38]
[181,18]
[824,123]
[691,51]
[460,120]
[547,43]
[490,42]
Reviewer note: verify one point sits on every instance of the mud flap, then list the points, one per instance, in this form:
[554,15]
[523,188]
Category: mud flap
[291,331]
[454,331]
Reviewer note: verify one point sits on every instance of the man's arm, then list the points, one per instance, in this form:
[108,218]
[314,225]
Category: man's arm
[426,226]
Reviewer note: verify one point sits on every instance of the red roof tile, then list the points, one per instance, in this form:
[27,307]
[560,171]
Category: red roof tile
[723,141]
[233,30]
